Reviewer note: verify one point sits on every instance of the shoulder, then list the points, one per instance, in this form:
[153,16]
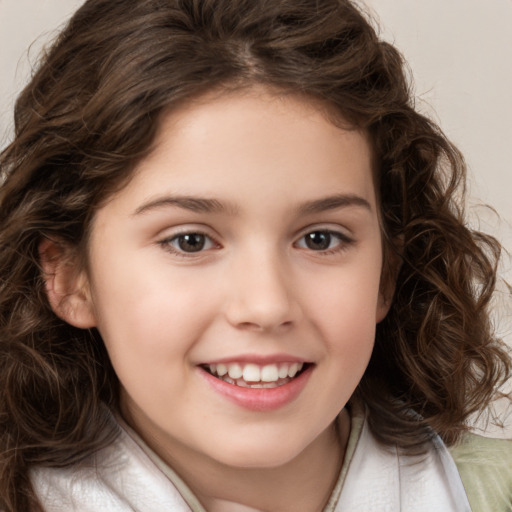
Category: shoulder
[485,468]
[118,478]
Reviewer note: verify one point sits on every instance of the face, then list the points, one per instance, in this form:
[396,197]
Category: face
[235,279]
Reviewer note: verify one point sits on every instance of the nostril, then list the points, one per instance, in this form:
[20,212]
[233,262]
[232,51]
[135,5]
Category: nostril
[249,326]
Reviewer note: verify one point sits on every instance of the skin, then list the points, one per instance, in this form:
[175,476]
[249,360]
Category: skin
[255,289]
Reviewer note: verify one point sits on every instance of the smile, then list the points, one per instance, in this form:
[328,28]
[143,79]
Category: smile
[249,375]
[260,387]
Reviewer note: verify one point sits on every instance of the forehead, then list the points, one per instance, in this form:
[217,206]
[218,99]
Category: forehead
[250,143]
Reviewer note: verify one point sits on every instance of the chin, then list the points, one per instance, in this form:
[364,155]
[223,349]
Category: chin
[263,455]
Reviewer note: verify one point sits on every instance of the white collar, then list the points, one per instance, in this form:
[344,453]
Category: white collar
[382,478]
[127,476]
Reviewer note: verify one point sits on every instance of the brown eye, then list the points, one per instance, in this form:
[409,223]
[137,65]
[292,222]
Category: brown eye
[318,240]
[192,242]
[324,240]
[188,243]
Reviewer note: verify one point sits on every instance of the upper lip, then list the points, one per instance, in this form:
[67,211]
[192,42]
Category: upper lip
[257,359]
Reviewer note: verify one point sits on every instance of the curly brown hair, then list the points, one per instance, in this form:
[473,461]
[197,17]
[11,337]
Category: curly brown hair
[91,112]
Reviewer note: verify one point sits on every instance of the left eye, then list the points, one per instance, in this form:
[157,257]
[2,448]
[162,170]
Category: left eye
[190,242]
[321,240]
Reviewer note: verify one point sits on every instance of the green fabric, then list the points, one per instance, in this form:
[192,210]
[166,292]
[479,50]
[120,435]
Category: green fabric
[485,467]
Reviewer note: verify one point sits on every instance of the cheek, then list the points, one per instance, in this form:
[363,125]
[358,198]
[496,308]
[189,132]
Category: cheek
[346,306]
[149,329]
[348,301]
[350,336]
[152,315]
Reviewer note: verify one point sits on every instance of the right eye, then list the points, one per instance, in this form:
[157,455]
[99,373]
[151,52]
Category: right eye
[188,243]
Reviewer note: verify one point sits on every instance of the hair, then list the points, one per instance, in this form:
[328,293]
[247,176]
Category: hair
[90,114]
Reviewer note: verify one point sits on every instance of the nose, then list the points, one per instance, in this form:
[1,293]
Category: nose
[261,295]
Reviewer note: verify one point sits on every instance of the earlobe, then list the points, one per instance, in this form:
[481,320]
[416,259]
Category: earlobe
[383,307]
[66,285]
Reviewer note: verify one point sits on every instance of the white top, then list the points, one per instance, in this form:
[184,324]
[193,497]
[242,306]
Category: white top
[127,476]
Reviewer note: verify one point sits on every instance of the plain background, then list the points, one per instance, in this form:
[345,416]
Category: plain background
[459,53]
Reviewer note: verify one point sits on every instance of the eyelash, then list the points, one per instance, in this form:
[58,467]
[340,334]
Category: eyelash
[167,244]
[343,243]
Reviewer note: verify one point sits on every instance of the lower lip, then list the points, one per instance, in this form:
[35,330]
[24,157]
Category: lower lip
[259,399]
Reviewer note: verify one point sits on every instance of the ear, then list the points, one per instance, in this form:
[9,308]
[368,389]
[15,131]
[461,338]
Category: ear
[392,262]
[383,306]
[66,284]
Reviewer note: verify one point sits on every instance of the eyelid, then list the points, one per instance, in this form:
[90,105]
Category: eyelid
[165,241]
[345,240]
[327,227]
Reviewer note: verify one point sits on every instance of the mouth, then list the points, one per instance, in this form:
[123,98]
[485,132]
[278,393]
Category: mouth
[250,375]
[260,386]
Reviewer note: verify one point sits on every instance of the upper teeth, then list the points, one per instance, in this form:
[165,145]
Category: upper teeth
[254,373]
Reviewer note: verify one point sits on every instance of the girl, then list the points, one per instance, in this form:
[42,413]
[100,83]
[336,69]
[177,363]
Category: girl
[235,273]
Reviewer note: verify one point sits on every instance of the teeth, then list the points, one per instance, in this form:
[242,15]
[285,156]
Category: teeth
[221,369]
[235,371]
[283,371]
[270,373]
[251,373]
[265,385]
[294,368]
[254,376]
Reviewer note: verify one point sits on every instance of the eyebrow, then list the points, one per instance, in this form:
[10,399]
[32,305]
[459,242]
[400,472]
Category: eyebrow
[334,202]
[194,204]
[204,205]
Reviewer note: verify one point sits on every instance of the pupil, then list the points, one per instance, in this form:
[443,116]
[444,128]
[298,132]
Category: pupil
[191,243]
[318,240]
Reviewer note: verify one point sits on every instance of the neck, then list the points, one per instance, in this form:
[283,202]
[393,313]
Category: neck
[302,485]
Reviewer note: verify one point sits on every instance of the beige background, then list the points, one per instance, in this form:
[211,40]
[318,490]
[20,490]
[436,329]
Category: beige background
[459,52]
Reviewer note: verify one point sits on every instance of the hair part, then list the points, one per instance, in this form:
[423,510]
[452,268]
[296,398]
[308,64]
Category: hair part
[90,114]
